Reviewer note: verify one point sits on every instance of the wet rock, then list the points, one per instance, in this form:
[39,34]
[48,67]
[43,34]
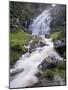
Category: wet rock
[42,44]
[16,72]
[59,43]
[60,46]
[34,46]
[49,62]
[47,35]
[38,74]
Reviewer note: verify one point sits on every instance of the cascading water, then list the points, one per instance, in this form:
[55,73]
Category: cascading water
[29,62]
[41,24]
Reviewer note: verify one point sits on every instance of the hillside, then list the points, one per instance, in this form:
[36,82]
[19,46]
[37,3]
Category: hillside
[18,39]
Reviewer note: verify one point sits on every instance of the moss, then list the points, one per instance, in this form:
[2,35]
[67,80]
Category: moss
[18,39]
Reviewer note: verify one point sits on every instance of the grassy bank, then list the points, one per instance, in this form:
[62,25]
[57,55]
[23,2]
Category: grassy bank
[58,33]
[58,70]
[18,39]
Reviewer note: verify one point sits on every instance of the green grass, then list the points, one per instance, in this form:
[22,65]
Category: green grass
[59,70]
[18,39]
[58,33]
[55,35]
[48,74]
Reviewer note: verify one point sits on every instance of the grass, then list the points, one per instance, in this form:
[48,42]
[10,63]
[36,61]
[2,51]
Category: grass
[59,70]
[55,35]
[48,74]
[58,33]
[18,39]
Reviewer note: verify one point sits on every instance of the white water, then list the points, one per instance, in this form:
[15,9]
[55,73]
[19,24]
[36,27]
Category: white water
[41,24]
[30,62]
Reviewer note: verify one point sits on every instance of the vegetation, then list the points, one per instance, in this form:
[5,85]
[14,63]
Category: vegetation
[58,70]
[48,74]
[22,13]
[18,39]
[58,33]
[21,16]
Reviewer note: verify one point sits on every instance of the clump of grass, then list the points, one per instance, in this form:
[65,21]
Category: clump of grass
[58,70]
[15,52]
[14,56]
[18,39]
[54,36]
[58,33]
[61,66]
[48,74]
[61,69]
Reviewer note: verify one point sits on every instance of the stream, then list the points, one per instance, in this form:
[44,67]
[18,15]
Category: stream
[27,65]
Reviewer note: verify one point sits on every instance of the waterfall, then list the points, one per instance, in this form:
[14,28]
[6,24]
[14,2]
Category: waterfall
[29,62]
[41,24]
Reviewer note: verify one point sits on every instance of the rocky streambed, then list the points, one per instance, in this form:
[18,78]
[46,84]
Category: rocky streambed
[51,72]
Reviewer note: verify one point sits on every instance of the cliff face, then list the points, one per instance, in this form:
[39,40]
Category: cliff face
[58,15]
[22,14]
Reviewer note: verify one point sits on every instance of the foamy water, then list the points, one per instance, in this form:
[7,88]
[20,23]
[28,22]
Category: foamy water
[30,62]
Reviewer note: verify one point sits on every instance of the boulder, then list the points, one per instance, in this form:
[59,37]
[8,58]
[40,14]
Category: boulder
[42,44]
[60,46]
[13,73]
[49,62]
[60,43]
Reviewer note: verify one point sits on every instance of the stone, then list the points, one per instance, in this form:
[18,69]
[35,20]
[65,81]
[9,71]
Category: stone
[49,62]
[16,72]
[42,44]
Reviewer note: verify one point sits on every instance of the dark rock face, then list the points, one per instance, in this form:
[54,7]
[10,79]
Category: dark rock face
[49,62]
[47,35]
[60,46]
[42,44]
[34,46]
[60,43]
